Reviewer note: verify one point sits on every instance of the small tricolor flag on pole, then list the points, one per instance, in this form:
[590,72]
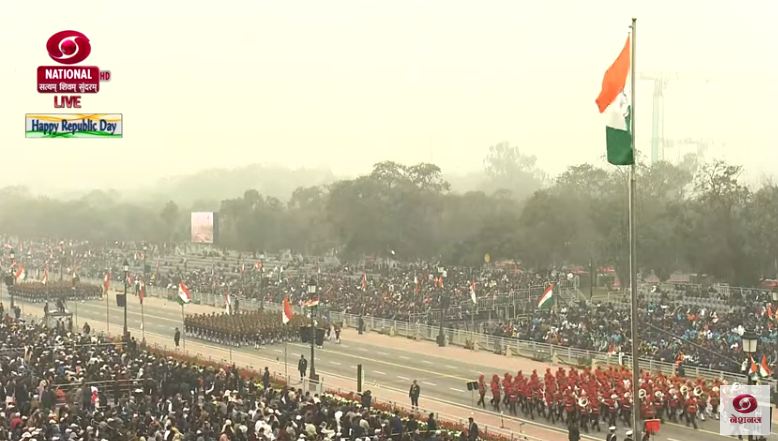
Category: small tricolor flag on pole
[764,368]
[286,314]
[106,282]
[20,274]
[184,296]
[547,298]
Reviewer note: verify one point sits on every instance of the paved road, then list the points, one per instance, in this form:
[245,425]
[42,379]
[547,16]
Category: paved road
[390,365]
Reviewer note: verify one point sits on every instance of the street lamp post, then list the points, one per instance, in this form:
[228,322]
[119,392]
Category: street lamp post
[591,280]
[126,268]
[312,298]
[443,310]
[750,342]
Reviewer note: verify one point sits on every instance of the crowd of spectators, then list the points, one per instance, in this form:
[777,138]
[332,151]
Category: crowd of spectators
[673,324]
[697,335]
[61,385]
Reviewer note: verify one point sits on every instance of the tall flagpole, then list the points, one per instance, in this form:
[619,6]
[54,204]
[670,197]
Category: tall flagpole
[183,326]
[633,283]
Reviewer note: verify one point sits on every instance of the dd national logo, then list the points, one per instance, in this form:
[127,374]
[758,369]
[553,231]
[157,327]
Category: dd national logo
[744,403]
[68,47]
[67,81]
[745,410]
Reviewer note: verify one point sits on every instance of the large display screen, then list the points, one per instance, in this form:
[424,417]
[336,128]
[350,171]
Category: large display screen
[203,226]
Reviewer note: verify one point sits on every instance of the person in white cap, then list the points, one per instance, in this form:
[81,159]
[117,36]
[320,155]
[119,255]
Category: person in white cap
[629,436]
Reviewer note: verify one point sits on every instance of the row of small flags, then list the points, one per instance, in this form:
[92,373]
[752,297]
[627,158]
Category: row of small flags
[257,266]
[130,281]
[762,368]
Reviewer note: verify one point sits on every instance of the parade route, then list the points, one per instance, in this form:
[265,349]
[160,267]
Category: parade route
[389,363]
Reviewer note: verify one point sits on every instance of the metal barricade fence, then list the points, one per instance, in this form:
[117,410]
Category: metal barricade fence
[460,337]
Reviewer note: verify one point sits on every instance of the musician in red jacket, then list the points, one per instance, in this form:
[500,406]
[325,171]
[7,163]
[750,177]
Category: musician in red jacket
[513,397]
[495,393]
[672,406]
[715,400]
[691,411]
[625,404]
[594,412]
[647,409]
[613,409]
[569,404]
[481,391]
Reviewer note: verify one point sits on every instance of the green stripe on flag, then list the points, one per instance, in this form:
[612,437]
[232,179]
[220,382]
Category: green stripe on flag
[619,146]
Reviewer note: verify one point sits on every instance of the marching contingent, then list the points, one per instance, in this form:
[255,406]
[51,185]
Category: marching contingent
[244,328]
[587,396]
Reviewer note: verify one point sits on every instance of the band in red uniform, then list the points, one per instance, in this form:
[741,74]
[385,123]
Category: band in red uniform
[586,397]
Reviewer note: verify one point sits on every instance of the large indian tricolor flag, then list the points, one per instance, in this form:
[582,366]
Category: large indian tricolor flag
[614,104]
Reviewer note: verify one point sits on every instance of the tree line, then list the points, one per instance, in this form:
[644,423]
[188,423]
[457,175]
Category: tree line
[692,217]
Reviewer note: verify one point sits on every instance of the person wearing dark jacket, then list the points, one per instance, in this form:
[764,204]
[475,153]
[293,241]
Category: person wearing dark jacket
[432,425]
[48,399]
[266,379]
[367,399]
[396,426]
[414,394]
[472,430]
[302,366]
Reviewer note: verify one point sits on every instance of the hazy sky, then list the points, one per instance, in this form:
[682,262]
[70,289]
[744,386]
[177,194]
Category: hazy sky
[343,84]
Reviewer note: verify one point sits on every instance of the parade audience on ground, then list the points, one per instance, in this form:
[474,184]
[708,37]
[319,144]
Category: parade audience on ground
[60,385]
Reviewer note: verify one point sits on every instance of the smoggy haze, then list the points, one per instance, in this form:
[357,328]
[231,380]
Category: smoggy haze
[343,84]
